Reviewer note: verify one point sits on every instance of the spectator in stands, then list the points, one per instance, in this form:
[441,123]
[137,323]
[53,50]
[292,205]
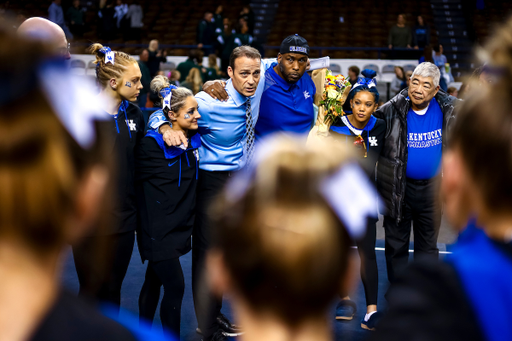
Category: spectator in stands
[409,173]
[248,15]
[56,15]
[453,91]
[408,76]
[191,62]
[398,83]
[353,74]
[206,33]
[135,16]
[440,61]
[212,71]
[20,18]
[218,19]
[121,10]
[226,44]
[47,31]
[194,80]
[400,35]
[75,15]
[107,29]
[145,80]
[420,34]
[243,35]
[156,57]
[174,79]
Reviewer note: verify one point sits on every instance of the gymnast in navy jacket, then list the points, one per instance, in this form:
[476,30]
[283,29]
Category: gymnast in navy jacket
[166,180]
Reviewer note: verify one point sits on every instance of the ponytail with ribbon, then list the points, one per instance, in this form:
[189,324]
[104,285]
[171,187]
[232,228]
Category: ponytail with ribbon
[166,94]
[109,55]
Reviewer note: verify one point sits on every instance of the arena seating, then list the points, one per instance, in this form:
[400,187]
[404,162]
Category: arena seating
[494,13]
[171,22]
[366,23]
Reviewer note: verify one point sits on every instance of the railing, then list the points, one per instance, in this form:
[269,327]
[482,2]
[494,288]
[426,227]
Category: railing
[268,47]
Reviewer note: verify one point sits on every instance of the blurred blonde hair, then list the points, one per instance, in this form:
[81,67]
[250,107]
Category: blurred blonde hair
[283,246]
[41,165]
[483,126]
[194,78]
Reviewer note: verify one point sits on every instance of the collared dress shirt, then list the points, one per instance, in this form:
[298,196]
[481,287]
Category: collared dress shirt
[223,126]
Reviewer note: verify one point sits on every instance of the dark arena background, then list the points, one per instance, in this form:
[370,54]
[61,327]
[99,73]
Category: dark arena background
[354,33]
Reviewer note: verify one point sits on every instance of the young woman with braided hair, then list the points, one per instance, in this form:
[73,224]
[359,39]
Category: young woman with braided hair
[118,76]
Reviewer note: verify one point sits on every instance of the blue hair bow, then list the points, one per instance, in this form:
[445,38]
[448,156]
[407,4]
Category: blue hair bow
[368,82]
[166,94]
[109,55]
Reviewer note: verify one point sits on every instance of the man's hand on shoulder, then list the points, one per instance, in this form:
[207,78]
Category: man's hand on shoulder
[171,137]
[216,90]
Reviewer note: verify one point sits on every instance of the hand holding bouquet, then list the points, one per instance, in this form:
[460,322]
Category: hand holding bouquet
[336,90]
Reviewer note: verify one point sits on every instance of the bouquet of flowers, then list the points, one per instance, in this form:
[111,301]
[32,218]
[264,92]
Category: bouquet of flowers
[336,90]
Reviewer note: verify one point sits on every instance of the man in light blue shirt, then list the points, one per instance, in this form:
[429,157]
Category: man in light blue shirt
[222,125]
[227,136]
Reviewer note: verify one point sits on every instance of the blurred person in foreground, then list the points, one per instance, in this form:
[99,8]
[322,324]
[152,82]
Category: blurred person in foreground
[468,295]
[281,238]
[409,168]
[44,30]
[54,189]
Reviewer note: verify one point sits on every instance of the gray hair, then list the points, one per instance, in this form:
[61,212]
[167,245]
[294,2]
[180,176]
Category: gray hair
[179,95]
[427,69]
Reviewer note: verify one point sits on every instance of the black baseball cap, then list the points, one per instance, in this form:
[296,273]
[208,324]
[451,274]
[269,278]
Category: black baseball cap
[294,44]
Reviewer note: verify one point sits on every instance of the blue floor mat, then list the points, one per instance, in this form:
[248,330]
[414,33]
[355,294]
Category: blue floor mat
[350,330]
